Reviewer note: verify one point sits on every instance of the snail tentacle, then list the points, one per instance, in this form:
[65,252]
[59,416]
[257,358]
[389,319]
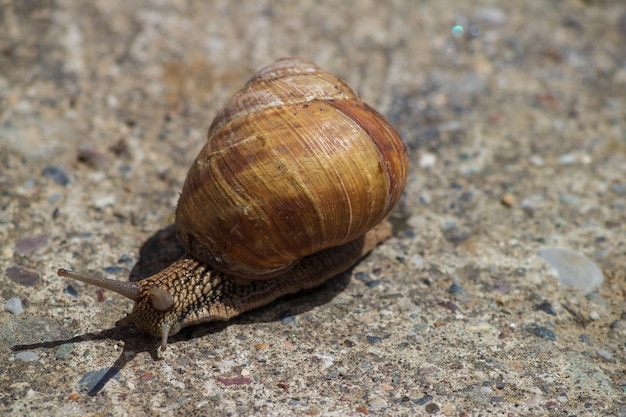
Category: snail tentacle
[129,290]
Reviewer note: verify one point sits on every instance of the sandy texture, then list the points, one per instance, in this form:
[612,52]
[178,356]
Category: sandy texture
[515,123]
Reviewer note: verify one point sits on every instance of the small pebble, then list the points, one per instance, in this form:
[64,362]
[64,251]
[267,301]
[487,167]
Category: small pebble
[261,346]
[417,260]
[585,339]
[23,276]
[552,405]
[455,289]
[605,354]
[567,159]
[378,403]
[333,374]
[92,157]
[448,305]
[425,198]
[528,208]
[455,234]
[112,269]
[508,200]
[500,287]
[326,360]
[290,319]
[147,376]
[432,408]
[424,400]
[480,325]
[364,277]
[544,333]
[71,291]
[103,201]
[14,306]
[125,259]
[367,279]
[569,199]
[27,356]
[372,340]
[574,269]
[546,307]
[31,244]
[373,284]
[420,327]
[619,188]
[427,160]
[92,378]
[64,351]
[57,174]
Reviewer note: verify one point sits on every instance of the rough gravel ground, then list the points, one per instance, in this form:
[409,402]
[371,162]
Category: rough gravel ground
[515,122]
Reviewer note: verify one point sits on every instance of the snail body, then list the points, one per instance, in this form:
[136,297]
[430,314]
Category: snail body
[292,187]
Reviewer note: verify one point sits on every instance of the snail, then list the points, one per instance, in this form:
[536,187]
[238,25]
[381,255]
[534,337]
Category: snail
[292,187]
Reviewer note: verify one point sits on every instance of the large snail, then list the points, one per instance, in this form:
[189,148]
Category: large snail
[292,187]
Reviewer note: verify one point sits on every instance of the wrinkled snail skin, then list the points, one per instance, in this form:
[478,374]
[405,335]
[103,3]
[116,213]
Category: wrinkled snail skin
[292,187]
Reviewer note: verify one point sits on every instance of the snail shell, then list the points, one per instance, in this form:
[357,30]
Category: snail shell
[292,187]
[294,164]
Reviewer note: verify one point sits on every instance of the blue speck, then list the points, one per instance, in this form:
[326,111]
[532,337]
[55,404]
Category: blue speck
[363,277]
[57,174]
[455,289]
[333,374]
[372,340]
[546,307]
[424,400]
[92,379]
[544,333]
[373,283]
[71,291]
[112,269]
[54,198]
[125,259]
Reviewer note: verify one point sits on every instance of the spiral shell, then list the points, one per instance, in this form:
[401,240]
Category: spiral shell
[293,164]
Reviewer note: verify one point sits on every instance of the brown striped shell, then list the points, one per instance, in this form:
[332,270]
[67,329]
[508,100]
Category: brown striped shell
[294,164]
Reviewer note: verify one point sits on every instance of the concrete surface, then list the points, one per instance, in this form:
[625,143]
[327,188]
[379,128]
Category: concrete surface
[515,122]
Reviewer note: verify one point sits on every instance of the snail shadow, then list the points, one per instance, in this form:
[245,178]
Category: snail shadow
[158,252]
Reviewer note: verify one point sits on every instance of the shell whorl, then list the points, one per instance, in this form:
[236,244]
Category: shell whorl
[293,164]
